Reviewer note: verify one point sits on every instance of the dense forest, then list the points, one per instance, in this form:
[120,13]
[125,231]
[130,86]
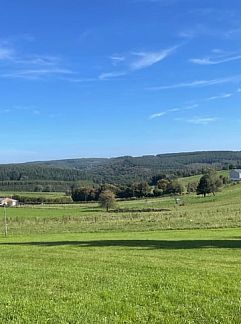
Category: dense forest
[61,175]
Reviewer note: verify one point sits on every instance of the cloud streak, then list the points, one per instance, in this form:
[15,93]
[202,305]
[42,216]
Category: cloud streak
[117,59]
[201,120]
[136,61]
[147,59]
[110,75]
[222,96]
[20,110]
[160,114]
[30,66]
[198,83]
[213,61]
[41,60]
[36,73]
[163,113]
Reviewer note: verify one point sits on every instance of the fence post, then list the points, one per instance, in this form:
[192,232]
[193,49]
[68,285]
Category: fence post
[5,221]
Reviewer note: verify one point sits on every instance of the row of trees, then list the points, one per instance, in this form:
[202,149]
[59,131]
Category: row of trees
[36,186]
[136,190]
[26,199]
[210,182]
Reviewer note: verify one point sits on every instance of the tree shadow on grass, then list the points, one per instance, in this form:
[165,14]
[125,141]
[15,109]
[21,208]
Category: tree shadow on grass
[86,210]
[140,244]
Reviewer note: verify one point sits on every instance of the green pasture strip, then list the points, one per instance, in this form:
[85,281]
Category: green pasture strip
[148,277]
[32,194]
[220,211]
[196,178]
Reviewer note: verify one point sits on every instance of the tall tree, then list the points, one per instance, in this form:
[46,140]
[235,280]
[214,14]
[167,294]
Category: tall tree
[209,183]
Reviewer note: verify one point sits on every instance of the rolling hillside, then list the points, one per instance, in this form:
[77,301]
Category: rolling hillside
[120,170]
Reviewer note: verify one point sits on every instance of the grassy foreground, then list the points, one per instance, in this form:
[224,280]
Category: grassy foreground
[78,264]
[150,277]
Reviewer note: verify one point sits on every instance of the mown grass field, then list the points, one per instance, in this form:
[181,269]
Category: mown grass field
[78,264]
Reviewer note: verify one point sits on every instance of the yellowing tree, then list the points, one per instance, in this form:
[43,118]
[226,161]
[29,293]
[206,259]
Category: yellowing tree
[107,199]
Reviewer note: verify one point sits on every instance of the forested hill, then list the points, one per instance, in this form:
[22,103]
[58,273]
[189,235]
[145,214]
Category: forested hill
[120,170]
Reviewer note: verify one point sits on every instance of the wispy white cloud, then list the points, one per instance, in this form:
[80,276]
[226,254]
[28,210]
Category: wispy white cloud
[198,83]
[110,75]
[29,66]
[20,110]
[36,74]
[9,53]
[213,60]
[201,29]
[201,120]
[41,60]
[147,59]
[222,96]
[197,31]
[160,114]
[117,58]
[191,107]
[136,61]
[172,110]
[77,79]
[188,34]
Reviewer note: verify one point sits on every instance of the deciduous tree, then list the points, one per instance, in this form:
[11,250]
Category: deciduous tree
[209,183]
[107,199]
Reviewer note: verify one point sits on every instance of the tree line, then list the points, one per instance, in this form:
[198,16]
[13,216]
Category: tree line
[162,185]
[25,199]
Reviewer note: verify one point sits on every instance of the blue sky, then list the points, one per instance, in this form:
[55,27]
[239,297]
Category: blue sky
[118,77]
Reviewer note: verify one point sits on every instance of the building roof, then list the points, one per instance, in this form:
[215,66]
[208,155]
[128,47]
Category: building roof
[6,199]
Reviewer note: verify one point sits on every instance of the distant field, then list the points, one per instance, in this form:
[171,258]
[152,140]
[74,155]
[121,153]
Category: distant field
[32,194]
[76,263]
[196,178]
[222,210]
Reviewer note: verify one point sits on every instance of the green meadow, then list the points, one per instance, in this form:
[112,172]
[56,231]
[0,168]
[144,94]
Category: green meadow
[32,194]
[76,263]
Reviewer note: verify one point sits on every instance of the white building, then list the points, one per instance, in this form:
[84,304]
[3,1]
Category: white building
[8,202]
[235,175]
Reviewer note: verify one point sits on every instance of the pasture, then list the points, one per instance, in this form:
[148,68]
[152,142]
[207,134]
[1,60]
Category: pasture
[220,211]
[79,264]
